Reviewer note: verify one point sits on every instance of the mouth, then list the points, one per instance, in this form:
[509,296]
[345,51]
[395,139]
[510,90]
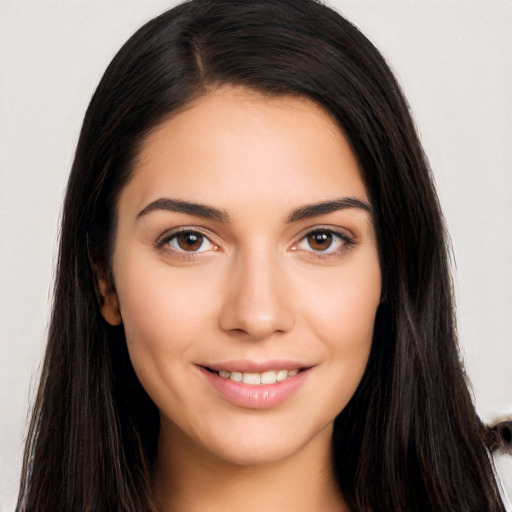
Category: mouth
[257,378]
[242,385]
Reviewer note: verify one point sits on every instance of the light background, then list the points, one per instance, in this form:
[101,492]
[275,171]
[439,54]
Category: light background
[454,61]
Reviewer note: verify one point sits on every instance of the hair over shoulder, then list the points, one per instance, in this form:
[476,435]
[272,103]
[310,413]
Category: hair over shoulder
[410,439]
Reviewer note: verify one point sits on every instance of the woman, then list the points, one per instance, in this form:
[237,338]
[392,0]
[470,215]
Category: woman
[253,307]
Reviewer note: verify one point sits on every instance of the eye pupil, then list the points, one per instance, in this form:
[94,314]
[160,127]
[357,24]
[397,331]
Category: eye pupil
[190,241]
[320,241]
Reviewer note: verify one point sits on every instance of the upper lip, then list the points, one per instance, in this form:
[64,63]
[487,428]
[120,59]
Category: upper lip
[246,365]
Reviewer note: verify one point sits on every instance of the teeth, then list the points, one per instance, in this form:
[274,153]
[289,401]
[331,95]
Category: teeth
[268,377]
[236,376]
[281,375]
[251,378]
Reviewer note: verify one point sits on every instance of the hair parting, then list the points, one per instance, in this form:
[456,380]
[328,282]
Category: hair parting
[410,430]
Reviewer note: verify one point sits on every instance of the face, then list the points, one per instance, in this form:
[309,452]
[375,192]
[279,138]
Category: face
[247,275]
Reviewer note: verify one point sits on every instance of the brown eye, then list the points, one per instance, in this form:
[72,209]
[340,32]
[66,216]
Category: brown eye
[320,240]
[190,241]
[324,243]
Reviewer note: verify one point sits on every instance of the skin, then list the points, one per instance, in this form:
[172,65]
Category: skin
[257,288]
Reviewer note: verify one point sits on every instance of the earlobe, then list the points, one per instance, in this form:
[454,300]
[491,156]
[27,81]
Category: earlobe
[104,289]
[107,299]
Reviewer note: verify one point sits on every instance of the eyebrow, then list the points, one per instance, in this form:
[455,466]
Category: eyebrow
[195,209]
[323,208]
[220,215]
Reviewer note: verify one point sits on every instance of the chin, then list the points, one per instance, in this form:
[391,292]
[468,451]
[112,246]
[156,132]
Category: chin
[265,444]
[254,454]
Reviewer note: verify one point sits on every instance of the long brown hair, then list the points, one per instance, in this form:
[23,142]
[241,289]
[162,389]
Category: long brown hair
[409,440]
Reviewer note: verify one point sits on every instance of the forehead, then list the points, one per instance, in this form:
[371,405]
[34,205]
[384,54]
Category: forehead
[235,146]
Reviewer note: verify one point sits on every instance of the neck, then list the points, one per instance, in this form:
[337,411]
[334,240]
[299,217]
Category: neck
[192,479]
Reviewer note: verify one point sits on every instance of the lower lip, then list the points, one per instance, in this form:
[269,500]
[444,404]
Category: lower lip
[260,396]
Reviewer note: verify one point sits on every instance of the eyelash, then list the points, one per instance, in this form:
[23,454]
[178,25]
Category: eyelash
[345,240]
[164,241]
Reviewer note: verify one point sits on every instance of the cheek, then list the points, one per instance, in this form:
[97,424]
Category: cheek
[158,301]
[342,308]
[165,313]
[342,313]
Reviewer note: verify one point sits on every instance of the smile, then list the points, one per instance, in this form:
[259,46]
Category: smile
[255,379]
[248,388]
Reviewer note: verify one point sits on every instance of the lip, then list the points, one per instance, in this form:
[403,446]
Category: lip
[261,396]
[246,365]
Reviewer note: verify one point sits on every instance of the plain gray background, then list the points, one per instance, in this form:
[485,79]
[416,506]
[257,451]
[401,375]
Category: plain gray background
[453,59]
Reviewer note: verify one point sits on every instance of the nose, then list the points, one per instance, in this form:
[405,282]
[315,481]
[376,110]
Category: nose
[257,302]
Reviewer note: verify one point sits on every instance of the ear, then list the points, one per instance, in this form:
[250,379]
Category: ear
[107,297]
[104,288]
